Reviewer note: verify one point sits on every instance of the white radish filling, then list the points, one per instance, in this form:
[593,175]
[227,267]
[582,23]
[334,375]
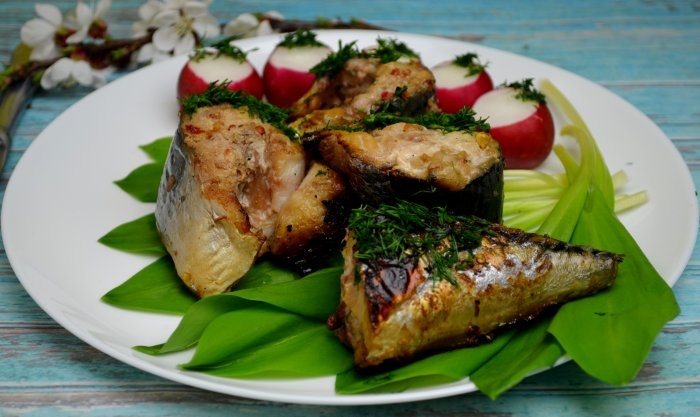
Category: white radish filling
[501,107]
[221,68]
[449,75]
[299,58]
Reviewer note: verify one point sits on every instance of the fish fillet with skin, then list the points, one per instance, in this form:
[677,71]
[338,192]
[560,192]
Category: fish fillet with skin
[227,176]
[461,170]
[398,308]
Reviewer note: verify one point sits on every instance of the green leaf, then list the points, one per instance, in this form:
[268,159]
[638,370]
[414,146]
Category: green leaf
[315,296]
[156,288]
[437,369]
[241,330]
[265,273]
[137,236]
[531,349]
[309,350]
[195,320]
[619,325]
[142,183]
[158,149]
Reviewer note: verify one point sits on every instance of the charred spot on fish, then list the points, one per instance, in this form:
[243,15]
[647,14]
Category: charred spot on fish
[385,281]
[289,228]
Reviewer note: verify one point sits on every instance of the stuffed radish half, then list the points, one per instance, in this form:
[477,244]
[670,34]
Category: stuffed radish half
[460,82]
[520,121]
[286,76]
[221,63]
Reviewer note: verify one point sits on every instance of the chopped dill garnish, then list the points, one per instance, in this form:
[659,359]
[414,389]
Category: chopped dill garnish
[471,62]
[300,38]
[464,121]
[217,93]
[526,91]
[407,230]
[222,47]
[387,50]
[335,61]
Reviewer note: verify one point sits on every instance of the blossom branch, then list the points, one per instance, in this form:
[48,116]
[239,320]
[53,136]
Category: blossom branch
[78,49]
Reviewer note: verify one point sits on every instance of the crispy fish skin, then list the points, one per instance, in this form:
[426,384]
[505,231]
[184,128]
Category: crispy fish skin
[311,225]
[404,160]
[226,177]
[393,311]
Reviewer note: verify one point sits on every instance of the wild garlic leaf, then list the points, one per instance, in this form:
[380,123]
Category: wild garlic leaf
[315,295]
[195,320]
[234,332]
[142,183]
[156,288]
[530,349]
[440,368]
[158,149]
[137,236]
[265,272]
[287,346]
[619,324]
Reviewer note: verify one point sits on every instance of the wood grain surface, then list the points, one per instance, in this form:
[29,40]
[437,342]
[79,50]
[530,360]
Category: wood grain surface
[646,51]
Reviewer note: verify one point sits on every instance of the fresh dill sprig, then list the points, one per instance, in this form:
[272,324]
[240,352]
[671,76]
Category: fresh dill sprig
[300,38]
[471,62]
[406,230]
[389,50]
[224,47]
[464,120]
[335,61]
[526,91]
[217,93]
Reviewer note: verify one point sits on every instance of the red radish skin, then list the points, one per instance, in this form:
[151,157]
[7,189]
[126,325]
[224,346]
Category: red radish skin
[286,76]
[524,129]
[196,76]
[455,90]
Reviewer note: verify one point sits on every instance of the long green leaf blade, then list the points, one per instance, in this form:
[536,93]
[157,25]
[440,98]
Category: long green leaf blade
[530,350]
[436,369]
[137,236]
[156,288]
[310,351]
[158,149]
[142,183]
[621,323]
[315,296]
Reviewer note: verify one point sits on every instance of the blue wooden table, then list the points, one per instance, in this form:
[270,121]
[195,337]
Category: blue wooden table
[648,52]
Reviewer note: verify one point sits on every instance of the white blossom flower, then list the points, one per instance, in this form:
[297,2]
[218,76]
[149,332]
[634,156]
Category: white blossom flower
[246,25]
[67,71]
[39,33]
[147,12]
[178,25]
[83,17]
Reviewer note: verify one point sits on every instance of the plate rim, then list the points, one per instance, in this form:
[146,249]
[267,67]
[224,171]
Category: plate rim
[460,387]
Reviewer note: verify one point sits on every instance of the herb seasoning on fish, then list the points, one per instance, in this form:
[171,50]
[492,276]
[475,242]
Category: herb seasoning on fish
[406,231]
[393,308]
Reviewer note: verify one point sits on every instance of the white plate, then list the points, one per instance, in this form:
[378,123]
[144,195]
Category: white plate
[61,199]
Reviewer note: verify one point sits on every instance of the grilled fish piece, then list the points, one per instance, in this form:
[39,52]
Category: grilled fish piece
[227,176]
[311,225]
[360,88]
[463,171]
[395,308]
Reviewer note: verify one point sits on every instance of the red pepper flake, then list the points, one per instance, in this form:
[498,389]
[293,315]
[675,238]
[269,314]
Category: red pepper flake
[192,129]
[260,129]
[386,95]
